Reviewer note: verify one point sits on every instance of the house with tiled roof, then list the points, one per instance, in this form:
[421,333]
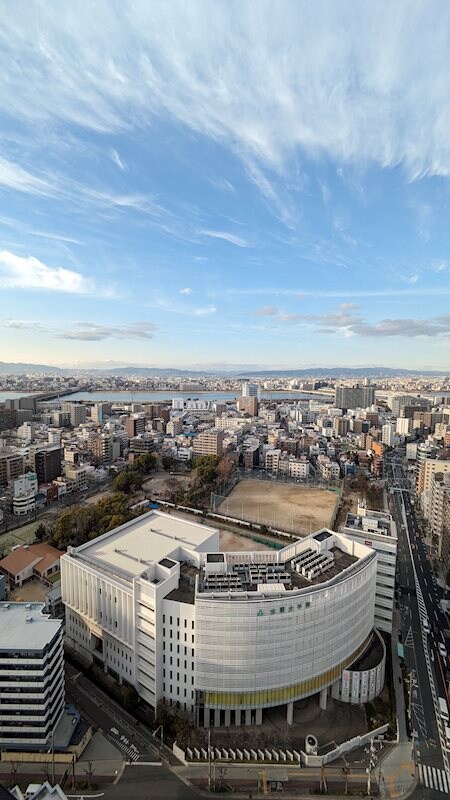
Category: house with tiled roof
[27,560]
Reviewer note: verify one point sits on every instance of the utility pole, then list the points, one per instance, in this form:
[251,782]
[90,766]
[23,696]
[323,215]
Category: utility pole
[53,757]
[209,760]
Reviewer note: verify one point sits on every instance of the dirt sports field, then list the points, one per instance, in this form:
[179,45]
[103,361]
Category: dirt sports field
[286,506]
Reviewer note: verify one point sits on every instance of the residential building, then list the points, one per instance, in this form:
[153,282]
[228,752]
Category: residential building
[135,425]
[102,449]
[11,465]
[272,460]
[387,434]
[440,486]
[144,443]
[354,396]
[208,443]
[174,427]
[28,560]
[159,606]
[31,676]
[48,464]
[427,471]
[77,413]
[377,529]
[403,426]
[25,489]
[248,405]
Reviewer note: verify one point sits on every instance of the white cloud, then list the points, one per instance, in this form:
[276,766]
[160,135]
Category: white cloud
[118,160]
[26,272]
[227,237]
[92,332]
[13,176]
[186,290]
[312,80]
[205,311]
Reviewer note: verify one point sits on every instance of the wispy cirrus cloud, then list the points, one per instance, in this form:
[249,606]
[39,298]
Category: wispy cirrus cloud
[86,331]
[267,311]
[27,272]
[92,332]
[111,72]
[227,237]
[118,161]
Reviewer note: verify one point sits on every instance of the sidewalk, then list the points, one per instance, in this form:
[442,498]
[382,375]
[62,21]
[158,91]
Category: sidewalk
[397,769]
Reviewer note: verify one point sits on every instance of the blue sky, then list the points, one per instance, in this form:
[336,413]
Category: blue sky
[223,184]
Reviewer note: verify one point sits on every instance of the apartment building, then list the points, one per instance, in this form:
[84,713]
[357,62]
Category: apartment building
[31,676]
[11,465]
[209,443]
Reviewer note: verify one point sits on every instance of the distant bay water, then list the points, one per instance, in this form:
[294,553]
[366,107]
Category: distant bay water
[167,395]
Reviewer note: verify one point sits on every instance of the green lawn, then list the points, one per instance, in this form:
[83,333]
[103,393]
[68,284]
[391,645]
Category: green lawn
[56,576]
[24,535]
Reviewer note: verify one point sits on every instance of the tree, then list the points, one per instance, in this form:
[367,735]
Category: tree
[206,468]
[127,481]
[146,463]
[130,698]
[168,463]
[41,532]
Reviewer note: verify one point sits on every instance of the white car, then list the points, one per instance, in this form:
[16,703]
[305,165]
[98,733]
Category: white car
[442,650]
[426,626]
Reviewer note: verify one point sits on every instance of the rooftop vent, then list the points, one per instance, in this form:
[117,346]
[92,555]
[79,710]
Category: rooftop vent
[28,618]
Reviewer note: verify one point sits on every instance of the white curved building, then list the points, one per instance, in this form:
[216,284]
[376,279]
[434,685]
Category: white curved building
[224,635]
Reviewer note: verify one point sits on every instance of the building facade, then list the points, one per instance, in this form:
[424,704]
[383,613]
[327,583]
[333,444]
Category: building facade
[222,635]
[31,676]
[377,529]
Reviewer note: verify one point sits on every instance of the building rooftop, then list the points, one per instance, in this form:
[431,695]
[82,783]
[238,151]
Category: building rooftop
[149,539]
[22,557]
[373,522]
[23,626]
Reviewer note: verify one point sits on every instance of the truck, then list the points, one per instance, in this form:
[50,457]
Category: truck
[443,709]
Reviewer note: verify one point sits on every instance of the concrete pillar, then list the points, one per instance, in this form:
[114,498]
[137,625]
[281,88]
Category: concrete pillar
[206,717]
[290,713]
[227,718]
[248,716]
[217,717]
[323,699]
[237,717]
[259,716]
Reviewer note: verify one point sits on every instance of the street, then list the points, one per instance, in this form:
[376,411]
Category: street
[418,597]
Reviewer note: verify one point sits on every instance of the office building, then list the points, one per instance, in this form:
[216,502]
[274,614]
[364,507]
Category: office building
[251,390]
[47,464]
[377,530]
[209,443]
[354,396]
[31,676]
[223,635]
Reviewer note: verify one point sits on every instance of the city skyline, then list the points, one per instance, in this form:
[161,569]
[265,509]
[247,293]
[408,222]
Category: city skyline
[200,186]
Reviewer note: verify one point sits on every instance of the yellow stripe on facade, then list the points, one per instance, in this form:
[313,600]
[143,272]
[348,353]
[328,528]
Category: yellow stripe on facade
[283,694]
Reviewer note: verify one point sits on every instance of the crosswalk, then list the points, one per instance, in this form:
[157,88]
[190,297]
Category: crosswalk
[434,778]
[123,744]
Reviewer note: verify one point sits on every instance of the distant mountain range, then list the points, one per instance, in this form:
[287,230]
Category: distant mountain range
[13,368]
